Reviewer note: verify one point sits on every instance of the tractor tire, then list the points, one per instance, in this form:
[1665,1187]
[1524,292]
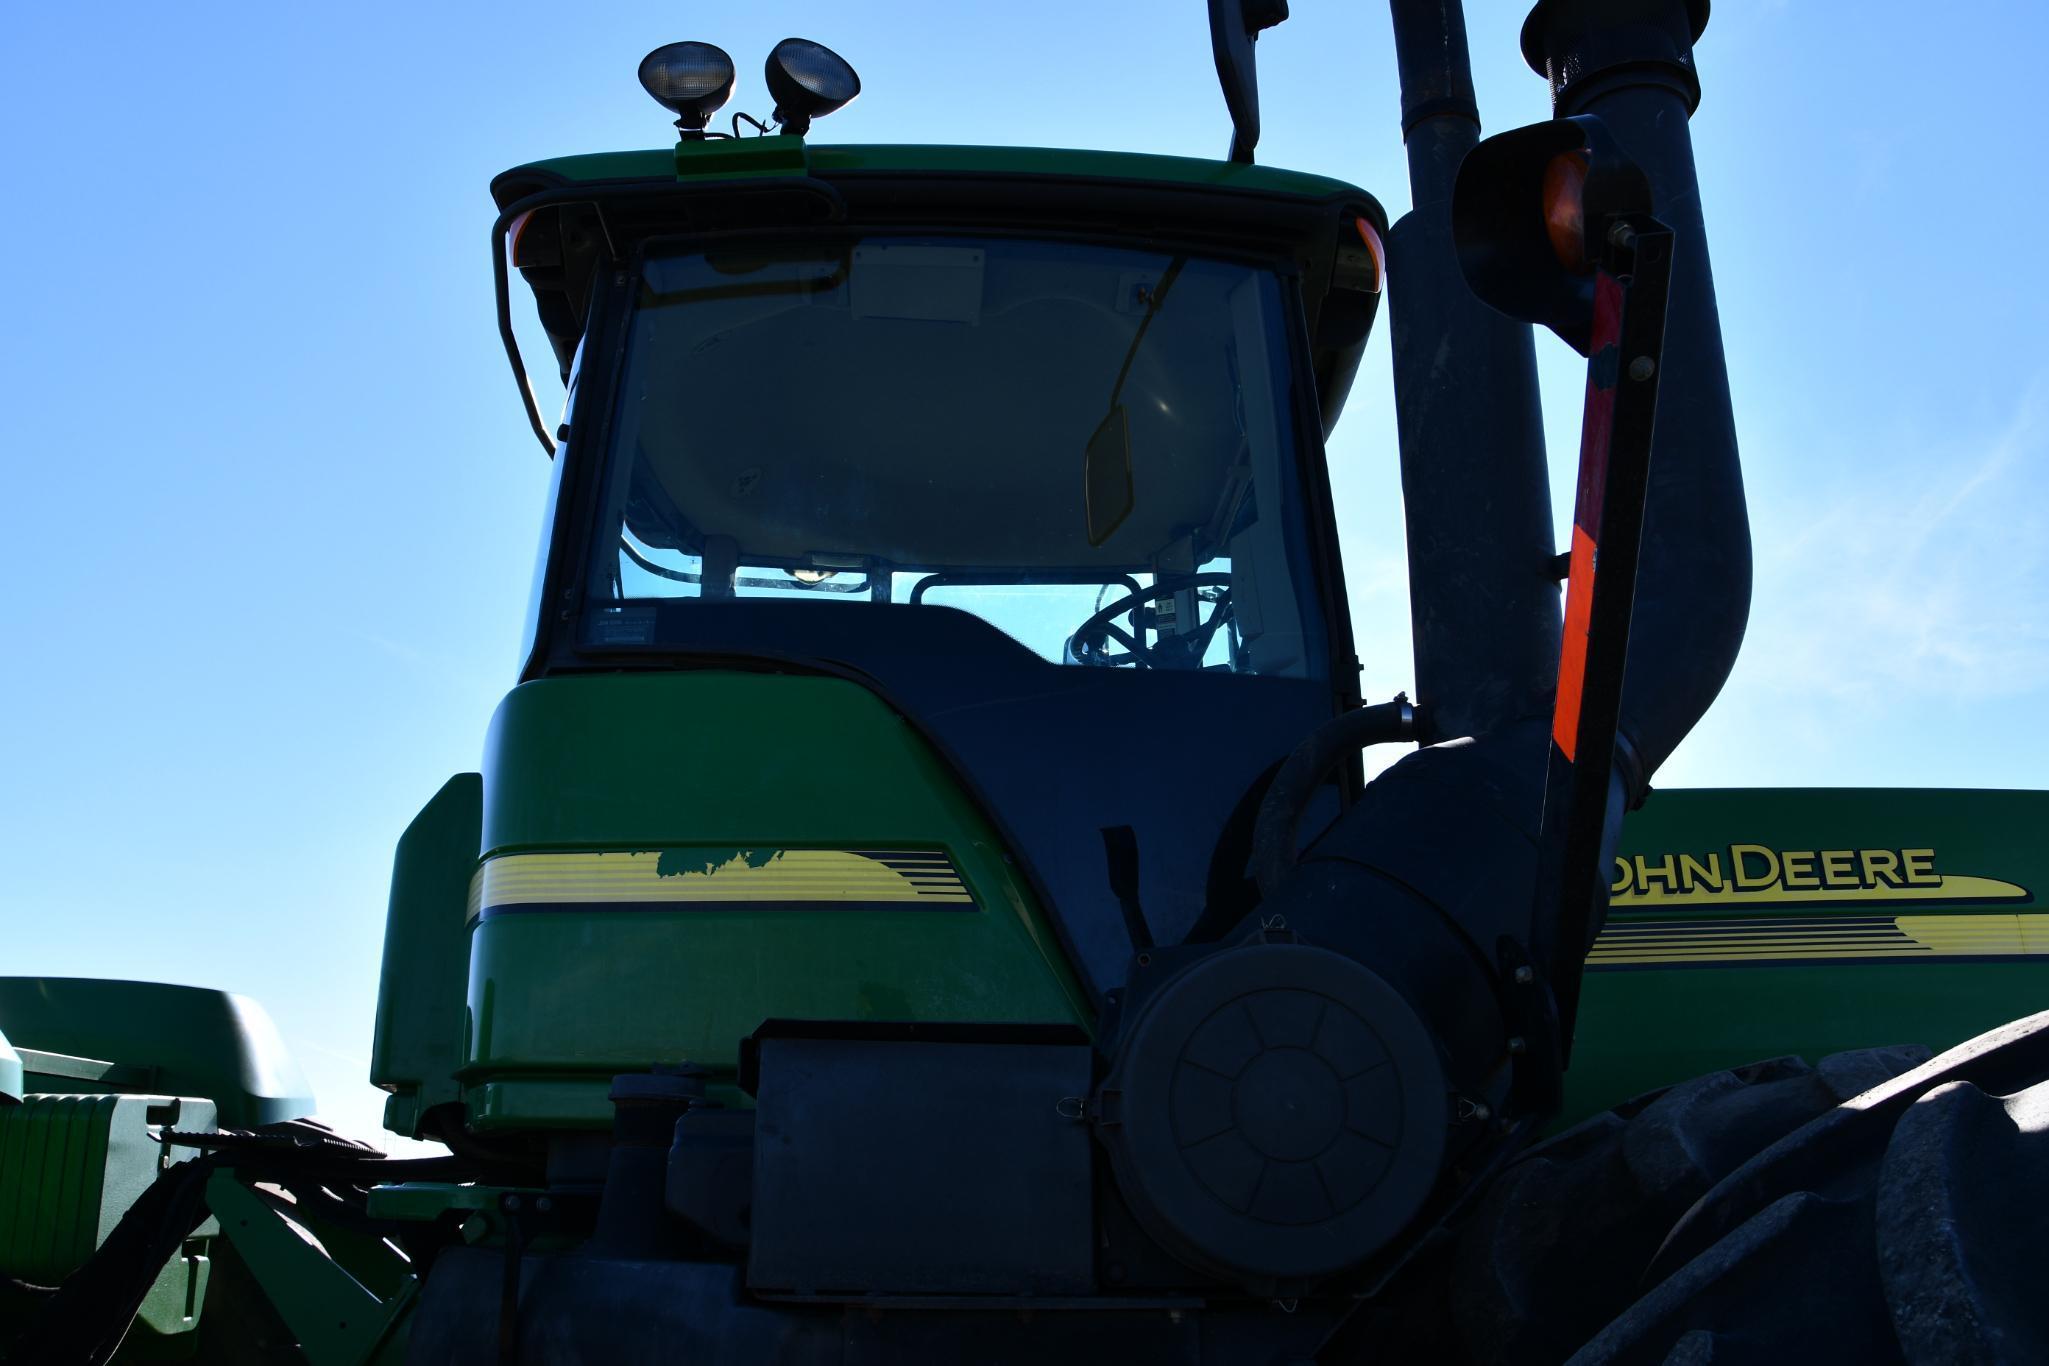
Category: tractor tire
[1880,1207]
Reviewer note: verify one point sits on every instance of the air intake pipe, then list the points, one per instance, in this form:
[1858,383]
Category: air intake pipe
[1298,1098]
[1483,598]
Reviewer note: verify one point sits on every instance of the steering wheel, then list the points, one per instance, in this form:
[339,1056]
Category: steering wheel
[1090,642]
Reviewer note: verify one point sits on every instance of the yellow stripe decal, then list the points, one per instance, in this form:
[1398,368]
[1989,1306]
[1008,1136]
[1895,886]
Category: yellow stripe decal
[1952,887]
[1679,943]
[717,878]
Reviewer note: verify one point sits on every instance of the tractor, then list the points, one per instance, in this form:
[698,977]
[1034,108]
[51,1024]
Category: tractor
[922,900]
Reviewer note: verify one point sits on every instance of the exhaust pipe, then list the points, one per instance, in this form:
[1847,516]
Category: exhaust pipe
[1630,62]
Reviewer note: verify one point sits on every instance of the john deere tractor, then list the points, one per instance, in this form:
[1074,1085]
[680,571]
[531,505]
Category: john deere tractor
[921,902]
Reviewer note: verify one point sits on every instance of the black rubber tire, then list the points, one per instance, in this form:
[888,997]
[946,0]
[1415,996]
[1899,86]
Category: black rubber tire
[1879,1207]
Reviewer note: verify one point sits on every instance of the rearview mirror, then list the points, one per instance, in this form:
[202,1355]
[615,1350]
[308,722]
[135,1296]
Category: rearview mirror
[1234,25]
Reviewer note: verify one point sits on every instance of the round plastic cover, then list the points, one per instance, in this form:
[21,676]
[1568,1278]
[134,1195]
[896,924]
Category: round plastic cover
[1276,1114]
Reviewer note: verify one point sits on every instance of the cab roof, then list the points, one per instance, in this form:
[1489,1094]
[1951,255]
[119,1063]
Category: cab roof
[571,212]
[715,155]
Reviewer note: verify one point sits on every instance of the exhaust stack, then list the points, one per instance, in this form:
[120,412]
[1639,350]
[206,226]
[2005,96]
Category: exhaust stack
[1630,63]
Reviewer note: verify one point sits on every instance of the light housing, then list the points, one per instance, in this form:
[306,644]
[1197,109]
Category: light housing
[1529,213]
[807,81]
[690,80]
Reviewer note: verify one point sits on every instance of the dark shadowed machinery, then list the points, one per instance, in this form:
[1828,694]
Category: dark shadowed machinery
[921,902]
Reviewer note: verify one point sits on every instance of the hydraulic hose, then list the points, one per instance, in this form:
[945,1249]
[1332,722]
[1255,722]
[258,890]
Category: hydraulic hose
[1274,831]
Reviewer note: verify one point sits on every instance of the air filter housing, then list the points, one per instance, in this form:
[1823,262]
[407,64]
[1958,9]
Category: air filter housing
[1276,1113]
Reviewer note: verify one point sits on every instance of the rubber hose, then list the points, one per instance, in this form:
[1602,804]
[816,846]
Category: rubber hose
[1287,796]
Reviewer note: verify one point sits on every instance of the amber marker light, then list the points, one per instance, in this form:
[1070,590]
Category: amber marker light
[1375,250]
[1565,221]
[528,244]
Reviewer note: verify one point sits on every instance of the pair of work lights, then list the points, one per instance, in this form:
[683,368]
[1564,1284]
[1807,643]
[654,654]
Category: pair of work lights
[807,80]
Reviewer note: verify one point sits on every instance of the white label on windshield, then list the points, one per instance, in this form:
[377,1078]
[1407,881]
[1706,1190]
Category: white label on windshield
[924,284]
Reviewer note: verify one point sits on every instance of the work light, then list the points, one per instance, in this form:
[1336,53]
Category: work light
[691,80]
[808,80]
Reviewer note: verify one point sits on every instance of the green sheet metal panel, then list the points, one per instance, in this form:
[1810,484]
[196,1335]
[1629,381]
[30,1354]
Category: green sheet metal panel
[673,858]
[334,1317]
[418,1042]
[70,1167]
[1749,923]
[157,1038]
[53,1168]
[1746,923]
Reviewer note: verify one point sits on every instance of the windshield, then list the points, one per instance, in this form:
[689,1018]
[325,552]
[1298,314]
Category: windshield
[1087,447]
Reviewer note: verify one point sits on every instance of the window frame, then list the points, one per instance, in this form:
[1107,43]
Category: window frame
[559,647]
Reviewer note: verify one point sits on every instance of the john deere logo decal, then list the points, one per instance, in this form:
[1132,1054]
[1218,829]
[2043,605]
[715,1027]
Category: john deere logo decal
[1758,873]
[1806,906]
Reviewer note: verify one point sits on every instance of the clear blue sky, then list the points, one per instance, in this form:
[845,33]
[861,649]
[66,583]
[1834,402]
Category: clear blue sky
[270,503]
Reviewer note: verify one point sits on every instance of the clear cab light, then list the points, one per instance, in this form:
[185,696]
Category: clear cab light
[808,80]
[690,80]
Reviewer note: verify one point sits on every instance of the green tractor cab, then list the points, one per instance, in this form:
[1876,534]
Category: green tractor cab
[927,561]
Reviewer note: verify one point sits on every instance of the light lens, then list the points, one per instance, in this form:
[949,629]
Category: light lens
[808,80]
[532,241]
[1375,250]
[1565,214]
[691,80]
